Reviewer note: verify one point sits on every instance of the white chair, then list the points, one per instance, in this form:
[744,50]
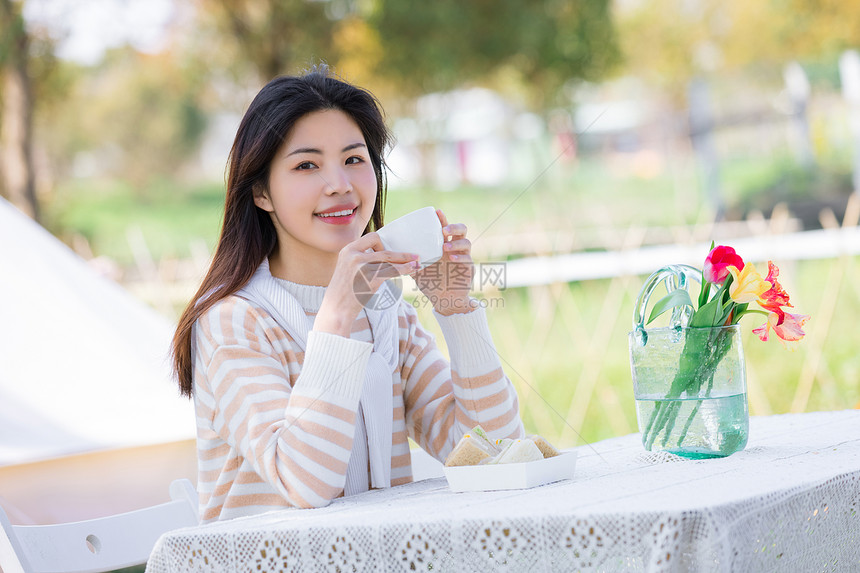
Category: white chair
[95,545]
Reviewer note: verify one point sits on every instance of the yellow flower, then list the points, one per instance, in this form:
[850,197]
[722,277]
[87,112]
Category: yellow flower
[747,285]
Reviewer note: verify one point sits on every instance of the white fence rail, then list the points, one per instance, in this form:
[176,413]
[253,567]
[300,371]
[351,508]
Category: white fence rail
[833,241]
[819,244]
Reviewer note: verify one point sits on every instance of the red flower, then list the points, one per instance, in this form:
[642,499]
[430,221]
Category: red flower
[717,264]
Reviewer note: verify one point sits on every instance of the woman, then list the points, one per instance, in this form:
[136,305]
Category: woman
[302,394]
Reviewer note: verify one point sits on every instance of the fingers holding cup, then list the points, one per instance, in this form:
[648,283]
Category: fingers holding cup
[458,249]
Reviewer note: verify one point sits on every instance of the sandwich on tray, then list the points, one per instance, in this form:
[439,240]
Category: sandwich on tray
[476,448]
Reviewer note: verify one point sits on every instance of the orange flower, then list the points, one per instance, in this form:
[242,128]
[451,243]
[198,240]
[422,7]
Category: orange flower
[775,297]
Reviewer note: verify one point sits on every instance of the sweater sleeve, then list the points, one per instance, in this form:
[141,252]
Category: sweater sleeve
[445,400]
[297,439]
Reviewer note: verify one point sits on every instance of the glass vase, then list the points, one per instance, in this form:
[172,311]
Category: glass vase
[689,383]
[690,390]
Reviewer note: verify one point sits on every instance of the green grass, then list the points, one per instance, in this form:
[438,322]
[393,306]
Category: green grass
[584,339]
[171,215]
[553,350]
[590,197]
[752,184]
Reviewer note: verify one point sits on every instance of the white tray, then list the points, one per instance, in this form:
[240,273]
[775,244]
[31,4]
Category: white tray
[511,476]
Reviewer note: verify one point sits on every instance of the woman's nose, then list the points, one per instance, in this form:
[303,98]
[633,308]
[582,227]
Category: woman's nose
[337,181]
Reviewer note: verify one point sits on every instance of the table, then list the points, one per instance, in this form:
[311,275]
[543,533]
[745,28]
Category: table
[789,502]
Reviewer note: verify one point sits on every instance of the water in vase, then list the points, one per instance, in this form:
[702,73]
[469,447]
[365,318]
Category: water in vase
[697,428]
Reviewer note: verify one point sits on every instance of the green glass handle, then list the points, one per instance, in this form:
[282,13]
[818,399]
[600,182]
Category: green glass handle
[674,277]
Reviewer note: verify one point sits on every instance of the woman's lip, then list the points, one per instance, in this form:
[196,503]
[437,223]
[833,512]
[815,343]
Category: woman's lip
[336,208]
[343,220]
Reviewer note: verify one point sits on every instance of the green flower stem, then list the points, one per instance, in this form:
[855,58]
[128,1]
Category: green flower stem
[656,423]
[671,418]
[748,311]
[697,364]
[718,351]
[690,419]
[695,411]
[648,427]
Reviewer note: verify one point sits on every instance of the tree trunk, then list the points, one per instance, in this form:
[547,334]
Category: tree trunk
[16,125]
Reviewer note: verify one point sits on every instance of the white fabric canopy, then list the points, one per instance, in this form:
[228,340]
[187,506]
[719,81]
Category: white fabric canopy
[83,365]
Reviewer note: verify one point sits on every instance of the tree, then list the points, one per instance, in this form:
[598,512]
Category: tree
[270,37]
[671,41]
[415,47]
[438,45]
[16,123]
[139,115]
[788,30]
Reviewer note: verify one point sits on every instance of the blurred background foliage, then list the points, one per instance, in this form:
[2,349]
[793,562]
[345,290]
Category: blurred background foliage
[539,46]
[548,126]
[136,116]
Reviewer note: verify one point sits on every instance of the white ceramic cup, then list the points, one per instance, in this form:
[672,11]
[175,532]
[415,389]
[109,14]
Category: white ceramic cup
[418,232]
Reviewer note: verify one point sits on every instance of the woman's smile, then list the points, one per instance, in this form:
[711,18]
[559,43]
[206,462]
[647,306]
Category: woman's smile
[338,215]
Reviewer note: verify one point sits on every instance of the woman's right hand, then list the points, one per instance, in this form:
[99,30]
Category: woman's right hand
[362,266]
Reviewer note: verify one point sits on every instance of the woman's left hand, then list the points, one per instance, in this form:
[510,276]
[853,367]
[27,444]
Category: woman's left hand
[447,282]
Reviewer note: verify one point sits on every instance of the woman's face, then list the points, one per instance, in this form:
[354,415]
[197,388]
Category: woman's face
[322,186]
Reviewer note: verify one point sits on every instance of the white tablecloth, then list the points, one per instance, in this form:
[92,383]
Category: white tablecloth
[789,502]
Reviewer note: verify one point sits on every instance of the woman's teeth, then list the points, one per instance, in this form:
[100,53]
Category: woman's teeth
[336,214]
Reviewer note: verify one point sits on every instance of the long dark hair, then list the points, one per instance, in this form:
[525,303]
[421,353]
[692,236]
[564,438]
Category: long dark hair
[247,233]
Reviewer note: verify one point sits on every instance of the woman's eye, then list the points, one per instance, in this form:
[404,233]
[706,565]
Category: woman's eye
[304,165]
[354,159]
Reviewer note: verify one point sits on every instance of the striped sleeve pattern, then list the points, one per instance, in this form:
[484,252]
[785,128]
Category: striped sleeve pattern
[444,400]
[267,437]
[275,426]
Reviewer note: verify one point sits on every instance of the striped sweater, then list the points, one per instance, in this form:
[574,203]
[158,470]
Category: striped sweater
[275,425]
